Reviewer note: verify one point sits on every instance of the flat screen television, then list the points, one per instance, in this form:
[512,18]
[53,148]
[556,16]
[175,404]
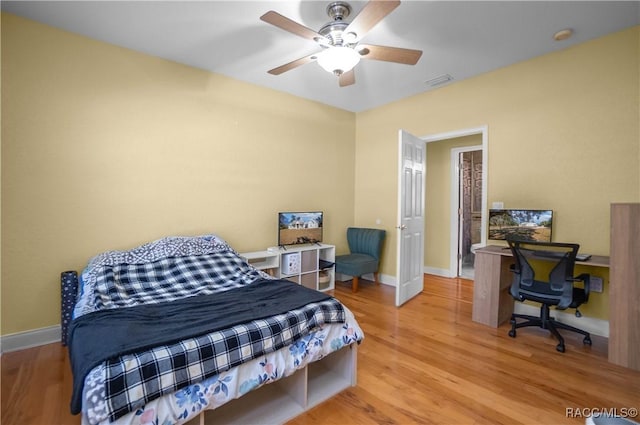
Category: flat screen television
[299,227]
[530,225]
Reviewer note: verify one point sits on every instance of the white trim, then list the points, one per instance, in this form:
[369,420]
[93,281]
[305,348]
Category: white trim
[589,324]
[385,279]
[399,218]
[438,272]
[484,131]
[28,339]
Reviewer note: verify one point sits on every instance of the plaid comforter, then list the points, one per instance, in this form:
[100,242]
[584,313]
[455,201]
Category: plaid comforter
[135,379]
[153,273]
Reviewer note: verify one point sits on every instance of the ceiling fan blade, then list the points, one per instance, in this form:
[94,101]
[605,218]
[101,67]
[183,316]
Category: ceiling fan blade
[372,13]
[293,64]
[389,54]
[282,22]
[347,78]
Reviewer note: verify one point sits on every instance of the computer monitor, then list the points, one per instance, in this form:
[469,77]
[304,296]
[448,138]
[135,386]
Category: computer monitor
[531,225]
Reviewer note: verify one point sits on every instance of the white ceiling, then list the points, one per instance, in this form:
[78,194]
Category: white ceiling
[459,38]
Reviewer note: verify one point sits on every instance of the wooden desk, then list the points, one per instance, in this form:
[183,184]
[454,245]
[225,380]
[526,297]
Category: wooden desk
[624,292]
[492,302]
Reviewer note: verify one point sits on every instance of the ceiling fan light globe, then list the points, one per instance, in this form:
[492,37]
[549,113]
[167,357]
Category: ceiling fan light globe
[338,60]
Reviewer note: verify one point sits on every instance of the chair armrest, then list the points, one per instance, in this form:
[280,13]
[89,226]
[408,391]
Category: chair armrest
[514,288]
[586,278]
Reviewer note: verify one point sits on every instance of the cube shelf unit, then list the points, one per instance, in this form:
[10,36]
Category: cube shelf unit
[266,261]
[308,265]
[283,400]
[304,264]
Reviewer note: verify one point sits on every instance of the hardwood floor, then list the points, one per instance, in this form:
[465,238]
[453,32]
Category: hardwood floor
[428,363]
[424,363]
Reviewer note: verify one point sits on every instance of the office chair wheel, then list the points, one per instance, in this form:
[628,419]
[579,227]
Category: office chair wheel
[587,340]
[560,348]
[512,333]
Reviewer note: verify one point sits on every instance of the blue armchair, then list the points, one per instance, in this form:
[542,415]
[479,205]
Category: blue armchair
[365,246]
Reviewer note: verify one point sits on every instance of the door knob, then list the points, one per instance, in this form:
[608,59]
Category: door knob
[401,227]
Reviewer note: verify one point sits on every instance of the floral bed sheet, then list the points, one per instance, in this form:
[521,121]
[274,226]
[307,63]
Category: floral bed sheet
[187,403]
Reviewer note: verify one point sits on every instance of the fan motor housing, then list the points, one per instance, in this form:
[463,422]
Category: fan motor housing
[338,10]
[333,31]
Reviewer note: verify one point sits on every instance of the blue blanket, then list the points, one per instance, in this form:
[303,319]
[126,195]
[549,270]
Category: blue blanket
[102,335]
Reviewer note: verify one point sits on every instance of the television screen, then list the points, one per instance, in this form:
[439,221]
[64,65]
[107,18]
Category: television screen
[299,227]
[530,225]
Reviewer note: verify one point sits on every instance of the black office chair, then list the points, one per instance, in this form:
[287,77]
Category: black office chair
[555,260]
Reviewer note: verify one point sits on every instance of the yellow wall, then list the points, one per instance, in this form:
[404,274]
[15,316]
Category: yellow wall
[105,148]
[563,133]
[437,243]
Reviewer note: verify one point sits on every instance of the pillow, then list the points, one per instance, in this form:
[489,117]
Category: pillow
[161,249]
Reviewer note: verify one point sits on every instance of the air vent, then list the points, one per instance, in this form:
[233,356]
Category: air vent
[439,80]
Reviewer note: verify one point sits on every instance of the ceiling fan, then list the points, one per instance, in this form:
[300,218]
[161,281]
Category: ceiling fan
[340,40]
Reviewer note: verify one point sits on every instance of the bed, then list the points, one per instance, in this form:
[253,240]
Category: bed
[183,329]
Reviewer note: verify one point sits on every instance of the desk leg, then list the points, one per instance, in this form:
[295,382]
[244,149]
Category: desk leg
[492,302]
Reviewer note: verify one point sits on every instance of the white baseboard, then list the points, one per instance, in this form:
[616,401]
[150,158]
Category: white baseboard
[436,271]
[28,339]
[385,279]
[589,324]
[382,278]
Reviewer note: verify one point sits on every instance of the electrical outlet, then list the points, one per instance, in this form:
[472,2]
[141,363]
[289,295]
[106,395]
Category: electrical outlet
[596,284]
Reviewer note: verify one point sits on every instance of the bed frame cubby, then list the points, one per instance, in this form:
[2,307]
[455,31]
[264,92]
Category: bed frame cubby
[283,400]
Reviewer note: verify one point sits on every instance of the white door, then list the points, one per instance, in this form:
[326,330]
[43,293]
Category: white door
[412,166]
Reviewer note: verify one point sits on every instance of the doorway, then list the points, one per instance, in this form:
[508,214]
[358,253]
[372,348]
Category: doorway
[450,238]
[466,187]
[442,237]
